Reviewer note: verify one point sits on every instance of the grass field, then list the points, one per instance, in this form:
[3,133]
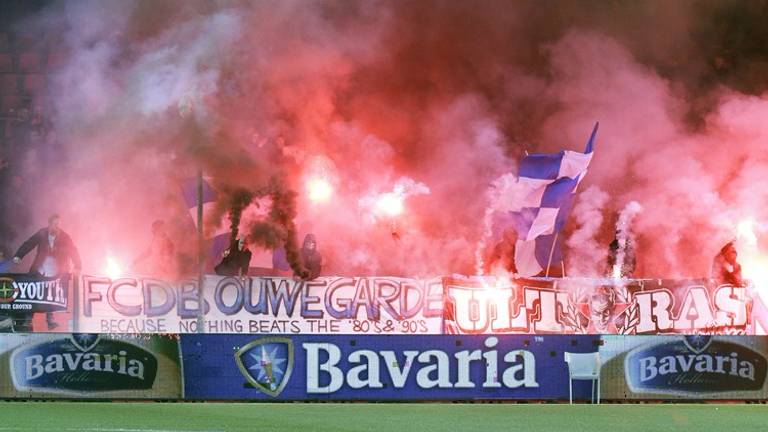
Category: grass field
[234,417]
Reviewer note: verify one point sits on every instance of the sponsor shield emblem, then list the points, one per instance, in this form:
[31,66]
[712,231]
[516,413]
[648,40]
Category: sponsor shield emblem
[697,343]
[267,363]
[85,341]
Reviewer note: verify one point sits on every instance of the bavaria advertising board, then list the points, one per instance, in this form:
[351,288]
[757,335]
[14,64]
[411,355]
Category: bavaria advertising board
[398,367]
[86,365]
[684,367]
[264,305]
[596,306]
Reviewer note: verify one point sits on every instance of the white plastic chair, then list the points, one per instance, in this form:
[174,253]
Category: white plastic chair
[583,367]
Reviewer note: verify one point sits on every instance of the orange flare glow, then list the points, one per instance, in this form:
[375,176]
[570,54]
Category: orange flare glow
[390,204]
[754,265]
[113,269]
[319,190]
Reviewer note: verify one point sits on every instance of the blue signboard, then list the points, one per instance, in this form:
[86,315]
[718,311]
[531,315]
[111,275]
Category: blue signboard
[316,367]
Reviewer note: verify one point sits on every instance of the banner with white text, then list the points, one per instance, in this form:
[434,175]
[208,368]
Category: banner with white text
[596,306]
[380,367]
[24,293]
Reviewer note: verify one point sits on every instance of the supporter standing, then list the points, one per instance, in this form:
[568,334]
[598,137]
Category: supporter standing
[313,260]
[157,258]
[235,261]
[725,267]
[56,254]
[622,248]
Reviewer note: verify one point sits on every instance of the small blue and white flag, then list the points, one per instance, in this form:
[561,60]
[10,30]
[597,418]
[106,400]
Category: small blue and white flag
[550,182]
[218,237]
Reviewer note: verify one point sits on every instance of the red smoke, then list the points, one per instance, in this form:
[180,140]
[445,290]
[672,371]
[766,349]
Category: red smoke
[448,94]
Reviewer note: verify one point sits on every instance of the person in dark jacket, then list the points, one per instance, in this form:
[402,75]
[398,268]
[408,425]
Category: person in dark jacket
[312,259]
[725,268]
[55,254]
[235,261]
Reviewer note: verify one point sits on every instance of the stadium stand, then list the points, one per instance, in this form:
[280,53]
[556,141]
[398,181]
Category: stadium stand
[6,63]
[4,42]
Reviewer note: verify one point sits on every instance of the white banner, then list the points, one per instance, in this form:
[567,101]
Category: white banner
[263,305]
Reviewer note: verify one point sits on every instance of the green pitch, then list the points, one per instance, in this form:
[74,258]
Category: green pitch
[232,417]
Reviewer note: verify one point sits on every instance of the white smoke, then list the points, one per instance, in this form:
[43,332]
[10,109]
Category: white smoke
[505,194]
[624,234]
[586,254]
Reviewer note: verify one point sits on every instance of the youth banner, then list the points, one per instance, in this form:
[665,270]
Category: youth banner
[596,306]
[327,305]
[24,293]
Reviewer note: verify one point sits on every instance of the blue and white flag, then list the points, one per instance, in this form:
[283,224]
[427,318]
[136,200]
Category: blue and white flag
[219,236]
[550,182]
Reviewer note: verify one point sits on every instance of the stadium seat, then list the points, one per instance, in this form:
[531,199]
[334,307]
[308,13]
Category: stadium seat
[55,60]
[8,102]
[583,366]
[34,83]
[30,62]
[25,42]
[6,63]
[9,84]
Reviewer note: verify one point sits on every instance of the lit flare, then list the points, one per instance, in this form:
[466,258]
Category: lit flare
[319,190]
[113,269]
[754,265]
[390,204]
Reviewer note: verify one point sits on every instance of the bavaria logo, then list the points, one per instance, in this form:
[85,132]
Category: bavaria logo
[82,363]
[267,363]
[693,365]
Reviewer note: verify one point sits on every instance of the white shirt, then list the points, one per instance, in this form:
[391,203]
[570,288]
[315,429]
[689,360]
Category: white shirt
[48,268]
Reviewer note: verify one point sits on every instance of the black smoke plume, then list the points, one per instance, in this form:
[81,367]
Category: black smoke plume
[279,228]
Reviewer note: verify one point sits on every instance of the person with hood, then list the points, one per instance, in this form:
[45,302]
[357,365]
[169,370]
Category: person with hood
[621,248]
[235,261]
[55,254]
[725,267]
[313,260]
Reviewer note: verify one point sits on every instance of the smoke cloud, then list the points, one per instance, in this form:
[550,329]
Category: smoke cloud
[586,255]
[264,96]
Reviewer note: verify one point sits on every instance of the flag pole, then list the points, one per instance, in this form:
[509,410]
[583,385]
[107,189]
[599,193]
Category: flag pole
[551,254]
[200,253]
